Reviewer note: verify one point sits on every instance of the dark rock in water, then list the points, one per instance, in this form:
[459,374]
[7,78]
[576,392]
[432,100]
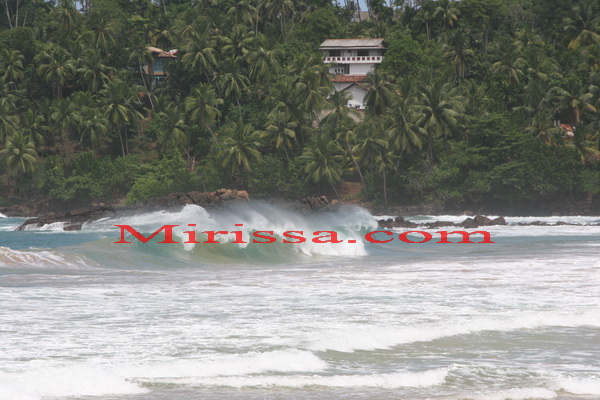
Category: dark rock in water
[439,224]
[316,203]
[498,221]
[482,220]
[74,220]
[469,223]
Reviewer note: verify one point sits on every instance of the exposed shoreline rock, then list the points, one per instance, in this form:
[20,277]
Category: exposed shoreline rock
[477,221]
[75,219]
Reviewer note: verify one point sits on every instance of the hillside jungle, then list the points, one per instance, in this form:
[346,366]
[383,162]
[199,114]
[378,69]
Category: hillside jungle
[477,102]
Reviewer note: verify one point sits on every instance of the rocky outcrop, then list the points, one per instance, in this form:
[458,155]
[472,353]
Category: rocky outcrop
[316,203]
[477,221]
[204,199]
[74,220]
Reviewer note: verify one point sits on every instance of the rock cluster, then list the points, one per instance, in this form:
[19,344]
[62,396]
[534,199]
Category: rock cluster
[316,203]
[204,199]
[476,222]
[74,220]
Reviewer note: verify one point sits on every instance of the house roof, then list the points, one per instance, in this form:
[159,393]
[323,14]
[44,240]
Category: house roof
[161,53]
[352,43]
[567,127]
[348,78]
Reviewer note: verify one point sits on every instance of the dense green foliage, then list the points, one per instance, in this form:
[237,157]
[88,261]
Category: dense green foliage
[464,109]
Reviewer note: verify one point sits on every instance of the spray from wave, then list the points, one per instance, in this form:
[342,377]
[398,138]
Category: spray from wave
[350,223]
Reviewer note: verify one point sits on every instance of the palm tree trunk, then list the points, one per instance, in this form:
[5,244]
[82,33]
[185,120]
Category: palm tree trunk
[121,140]
[356,166]
[385,200]
[337,196]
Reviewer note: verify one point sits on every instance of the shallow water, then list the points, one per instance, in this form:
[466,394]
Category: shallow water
[82,316]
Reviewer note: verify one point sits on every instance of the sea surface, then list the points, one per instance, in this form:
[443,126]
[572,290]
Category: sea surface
[82,316]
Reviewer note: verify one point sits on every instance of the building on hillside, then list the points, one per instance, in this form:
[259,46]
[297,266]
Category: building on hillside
[158,69]
[351,60]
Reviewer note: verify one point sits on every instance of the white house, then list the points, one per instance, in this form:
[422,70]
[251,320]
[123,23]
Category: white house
[351,60]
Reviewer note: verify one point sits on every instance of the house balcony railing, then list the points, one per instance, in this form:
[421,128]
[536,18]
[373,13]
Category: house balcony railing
[354,59]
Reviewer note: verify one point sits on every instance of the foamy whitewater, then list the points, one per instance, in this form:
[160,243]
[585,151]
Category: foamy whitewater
[81,316]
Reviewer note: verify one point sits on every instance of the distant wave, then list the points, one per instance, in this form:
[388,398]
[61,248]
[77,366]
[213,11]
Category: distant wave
[355,338]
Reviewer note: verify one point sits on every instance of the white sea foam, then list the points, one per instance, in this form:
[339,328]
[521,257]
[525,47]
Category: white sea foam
[537,393]
[354,338]
[3,216]
[256,216]
[53,227]
[230,365]
[387,381]
[575,385]
[10,257]
[68,381]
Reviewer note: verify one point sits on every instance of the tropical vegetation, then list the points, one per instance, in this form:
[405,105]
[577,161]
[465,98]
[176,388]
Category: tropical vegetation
[476,102]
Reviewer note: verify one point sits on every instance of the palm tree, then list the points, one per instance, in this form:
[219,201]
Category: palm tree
[240,147]
[120,100]
[263,64]
[280,9]
[67,15]
[233,84]
[280,131]
[447,13]
[32,124]
[384,161]
[20,154]
[92,127]
[200,55]
[311,89]
[64,117]
[56,67]
[508,61]
[201,107]
[457,52]
[141,55]
[379,94]
[324,161]
[441,107]
[8,121]
[174,135]
[404,132]
[101,33]
[94,73]
[340,116]
[348,137]
[571,103]
[244,12]
[583,27]
[238,43]
[11,67]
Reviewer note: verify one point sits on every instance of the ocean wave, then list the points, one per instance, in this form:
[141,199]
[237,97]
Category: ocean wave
[229,365]
[19,258]
[526,393]
[386,381]
[348,223]
[67,381]
[578,385]
[355,338]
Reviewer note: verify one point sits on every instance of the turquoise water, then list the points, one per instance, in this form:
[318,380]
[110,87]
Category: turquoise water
[82,316]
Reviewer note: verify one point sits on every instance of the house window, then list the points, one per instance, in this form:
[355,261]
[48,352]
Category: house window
[342,69]
[363,53]
[334,53]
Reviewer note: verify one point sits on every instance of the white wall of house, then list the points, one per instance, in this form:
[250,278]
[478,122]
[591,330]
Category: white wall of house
[357,96]
[338,86]
[361,69]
